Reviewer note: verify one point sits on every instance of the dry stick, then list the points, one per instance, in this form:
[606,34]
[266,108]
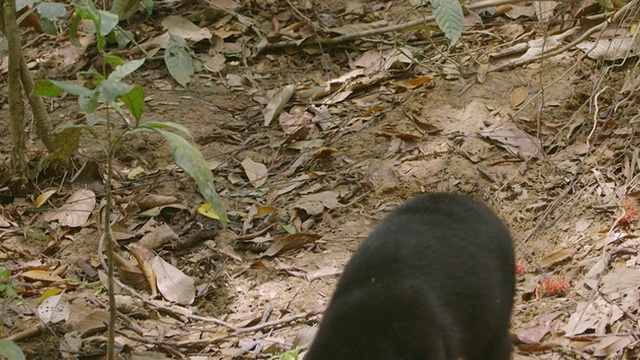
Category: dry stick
[219,338]
[273,323]
[27,333]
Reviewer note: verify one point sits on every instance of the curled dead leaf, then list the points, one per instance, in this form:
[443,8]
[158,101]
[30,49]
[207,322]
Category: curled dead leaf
[289,242]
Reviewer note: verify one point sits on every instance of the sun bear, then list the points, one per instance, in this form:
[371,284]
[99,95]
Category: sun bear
[434,281]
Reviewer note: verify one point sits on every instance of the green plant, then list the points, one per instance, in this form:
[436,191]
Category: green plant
[287,355]
[7,283]
[10,350]
[100,104]
[48,11]
[109,90]
[449,17]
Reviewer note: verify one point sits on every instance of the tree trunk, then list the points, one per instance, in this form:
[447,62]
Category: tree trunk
[40,115]
[16,112]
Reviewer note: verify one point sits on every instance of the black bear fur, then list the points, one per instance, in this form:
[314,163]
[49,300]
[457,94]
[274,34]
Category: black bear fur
[434,281]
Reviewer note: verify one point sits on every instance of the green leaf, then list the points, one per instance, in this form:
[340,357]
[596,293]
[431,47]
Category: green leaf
[134,101]
[449,16]
[125,8]
[289,228]
[113,90]
[178,60]
[118,109]
[45,87]
[22,3]
[51,11]
[189,158]
[10,350]
[114,61]
[71,88]
[125,69]
[51,88]
[73,28]
[168,125]
[92,72]
[108,22]
[94,118]
[475,17]
[89,104]
[606,4]
[104,21]
[148,5]
[49,27]
[90,11]
[123,37]
[66,140]
[10,291]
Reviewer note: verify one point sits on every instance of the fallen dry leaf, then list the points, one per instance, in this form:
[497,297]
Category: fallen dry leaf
[42,198]
[145,256]
[556,257]
[293,120]
[94,322]
[289,242]
[609,49]
[398,134]
[621,279]
[158,237]
[173,284]
[518,96]
[54,309]
[425,127]
[517,142]
[177,25]
[224,249]
[277,103]
[75,211]
[40,275]
[411,84]
[130,274]
[611,345]
[256,172]
[315,204]
[148,201]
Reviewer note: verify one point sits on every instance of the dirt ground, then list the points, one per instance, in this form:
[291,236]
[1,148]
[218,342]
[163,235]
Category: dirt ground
[558,166]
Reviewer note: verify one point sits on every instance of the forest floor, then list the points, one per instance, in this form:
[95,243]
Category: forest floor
[548,143]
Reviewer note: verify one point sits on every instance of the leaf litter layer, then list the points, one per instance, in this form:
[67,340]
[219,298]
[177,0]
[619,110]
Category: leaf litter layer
[542,131]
